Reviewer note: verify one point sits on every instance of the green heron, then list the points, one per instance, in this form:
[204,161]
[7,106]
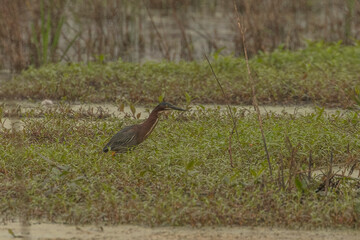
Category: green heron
[131,136]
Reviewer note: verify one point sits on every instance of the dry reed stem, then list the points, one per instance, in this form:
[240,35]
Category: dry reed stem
[234,129]
[255,102]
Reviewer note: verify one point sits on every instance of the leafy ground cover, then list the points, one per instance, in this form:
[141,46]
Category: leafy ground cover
[54,169]
[322,73]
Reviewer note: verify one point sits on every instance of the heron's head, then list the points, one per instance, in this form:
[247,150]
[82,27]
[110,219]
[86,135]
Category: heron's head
[163,106]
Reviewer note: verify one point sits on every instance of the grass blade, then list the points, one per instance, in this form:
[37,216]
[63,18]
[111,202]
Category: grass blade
[55,42]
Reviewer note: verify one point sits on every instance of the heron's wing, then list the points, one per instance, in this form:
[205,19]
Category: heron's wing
[122,140]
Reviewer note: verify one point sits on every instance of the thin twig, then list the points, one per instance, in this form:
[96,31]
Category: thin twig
[293,167]
[329,174]
[224,95]
[310,165]
[255,102]
[229,150]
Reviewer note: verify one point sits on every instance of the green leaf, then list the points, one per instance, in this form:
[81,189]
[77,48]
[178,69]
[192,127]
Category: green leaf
[45,38]
[357,96]
[121,107]
[217,53]
[190,165]
[11,232]
[299,185]
[253,173]
[55,42]
[101,58]
[69,45]
[161,97]
[142,173]
[132,109]
[188,98]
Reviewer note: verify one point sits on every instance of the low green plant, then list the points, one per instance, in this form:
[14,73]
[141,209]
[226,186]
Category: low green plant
[54,169]
[322,73]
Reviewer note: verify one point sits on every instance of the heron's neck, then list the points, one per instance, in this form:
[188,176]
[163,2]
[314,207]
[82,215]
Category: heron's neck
[150,123]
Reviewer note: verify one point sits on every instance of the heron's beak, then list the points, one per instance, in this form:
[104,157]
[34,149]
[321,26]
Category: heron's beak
[175,108]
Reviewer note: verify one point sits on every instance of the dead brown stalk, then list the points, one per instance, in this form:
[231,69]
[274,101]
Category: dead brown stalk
[310,165]
[254,100]
[293,168]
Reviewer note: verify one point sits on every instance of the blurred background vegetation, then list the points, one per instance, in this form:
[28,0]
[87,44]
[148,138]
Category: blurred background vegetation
[36,32]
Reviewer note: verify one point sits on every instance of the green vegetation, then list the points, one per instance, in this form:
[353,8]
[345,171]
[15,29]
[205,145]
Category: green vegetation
[54,169]
[43,35]
[325,74]
[188,172]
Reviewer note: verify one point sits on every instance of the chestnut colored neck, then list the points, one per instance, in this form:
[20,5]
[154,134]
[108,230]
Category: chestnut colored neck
[149,124]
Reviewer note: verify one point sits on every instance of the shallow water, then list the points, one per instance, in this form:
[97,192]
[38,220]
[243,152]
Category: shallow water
[339,171]
[12,123]
[16,108]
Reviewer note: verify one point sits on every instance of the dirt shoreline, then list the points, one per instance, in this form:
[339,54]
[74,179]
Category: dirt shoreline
[52,231]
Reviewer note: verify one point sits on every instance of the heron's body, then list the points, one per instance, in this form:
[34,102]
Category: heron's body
[131,136]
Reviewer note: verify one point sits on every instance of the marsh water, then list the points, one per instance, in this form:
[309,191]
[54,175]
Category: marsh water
[14,109]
